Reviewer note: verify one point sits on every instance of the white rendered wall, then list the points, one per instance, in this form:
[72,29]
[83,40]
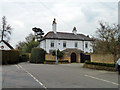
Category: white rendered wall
[5,46]
[46,45]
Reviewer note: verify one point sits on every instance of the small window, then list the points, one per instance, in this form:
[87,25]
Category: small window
[52,44]
[86,45]
[76,44]
[64,44]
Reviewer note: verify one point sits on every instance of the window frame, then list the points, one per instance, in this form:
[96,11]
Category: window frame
[52,44]
[64,43]
[86,44]
[76,44]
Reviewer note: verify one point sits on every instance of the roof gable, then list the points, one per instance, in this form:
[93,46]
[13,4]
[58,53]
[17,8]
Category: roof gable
[7,44]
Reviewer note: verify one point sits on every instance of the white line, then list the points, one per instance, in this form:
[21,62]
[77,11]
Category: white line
[33,77]
[102,80]
[17,66]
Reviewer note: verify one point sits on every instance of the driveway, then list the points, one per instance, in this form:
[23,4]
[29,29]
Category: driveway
[26,75]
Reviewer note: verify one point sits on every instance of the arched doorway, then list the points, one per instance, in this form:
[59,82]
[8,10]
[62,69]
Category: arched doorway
[73,57]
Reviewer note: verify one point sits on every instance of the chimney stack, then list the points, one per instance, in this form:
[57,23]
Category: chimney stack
[74,31]
[54,24]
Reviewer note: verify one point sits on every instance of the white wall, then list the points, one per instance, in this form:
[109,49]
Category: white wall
[46,45]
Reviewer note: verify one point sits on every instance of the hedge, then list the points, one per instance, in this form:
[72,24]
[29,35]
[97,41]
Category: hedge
[53,61]
[10,56]
[23,58]
[100,64]
[37,55]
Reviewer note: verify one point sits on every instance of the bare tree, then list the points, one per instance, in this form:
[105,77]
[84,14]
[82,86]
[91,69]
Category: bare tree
[108,39]
[5,30]
[30,38]
[20,45]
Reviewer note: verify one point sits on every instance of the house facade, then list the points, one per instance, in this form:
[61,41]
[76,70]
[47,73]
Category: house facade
[62,40]
[5,45]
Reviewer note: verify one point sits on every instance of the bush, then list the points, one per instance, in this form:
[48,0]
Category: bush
[37,55]
[59,53]
[53,61]
[23,58]
[100,64]
[10,56]
[63,61]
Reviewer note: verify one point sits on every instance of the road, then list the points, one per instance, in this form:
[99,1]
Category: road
[26,75]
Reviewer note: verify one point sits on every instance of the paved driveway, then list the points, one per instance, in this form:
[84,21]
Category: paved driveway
[26,75]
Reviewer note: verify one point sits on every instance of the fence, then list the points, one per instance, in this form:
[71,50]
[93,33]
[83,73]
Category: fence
[10,56]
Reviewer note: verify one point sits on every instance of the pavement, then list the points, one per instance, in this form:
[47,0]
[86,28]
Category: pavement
[27,75]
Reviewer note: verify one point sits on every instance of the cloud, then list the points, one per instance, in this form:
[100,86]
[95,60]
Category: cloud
[18,24]
[23,16]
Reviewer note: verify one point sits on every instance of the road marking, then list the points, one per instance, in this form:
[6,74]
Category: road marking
[102,80]
[17,66]
[33,77]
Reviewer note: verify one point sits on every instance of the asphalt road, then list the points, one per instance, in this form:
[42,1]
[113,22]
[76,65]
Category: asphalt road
[26,75]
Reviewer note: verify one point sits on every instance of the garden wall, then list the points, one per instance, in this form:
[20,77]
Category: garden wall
[51,57]
[102,58]
[10,56]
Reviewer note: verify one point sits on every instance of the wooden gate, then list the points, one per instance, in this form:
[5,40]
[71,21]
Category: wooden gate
[84,57]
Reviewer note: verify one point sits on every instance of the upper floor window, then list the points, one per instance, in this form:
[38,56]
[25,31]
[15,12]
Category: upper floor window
[64,44]
[86,45]
[52,44]
[76,44]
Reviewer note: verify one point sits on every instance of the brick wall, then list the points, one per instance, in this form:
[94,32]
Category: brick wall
[102,58]
[51,57]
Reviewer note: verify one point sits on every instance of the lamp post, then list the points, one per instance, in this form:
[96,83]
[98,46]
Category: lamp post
[56,52]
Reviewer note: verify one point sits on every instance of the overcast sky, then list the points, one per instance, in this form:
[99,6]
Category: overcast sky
[23,16]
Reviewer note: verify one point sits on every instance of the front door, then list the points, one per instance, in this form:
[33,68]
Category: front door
[73,57]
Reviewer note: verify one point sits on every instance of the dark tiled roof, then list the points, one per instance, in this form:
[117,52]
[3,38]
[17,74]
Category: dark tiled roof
[66,36]
[7,44]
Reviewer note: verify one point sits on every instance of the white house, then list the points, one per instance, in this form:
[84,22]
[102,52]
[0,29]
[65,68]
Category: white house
[61,40]
[5,45]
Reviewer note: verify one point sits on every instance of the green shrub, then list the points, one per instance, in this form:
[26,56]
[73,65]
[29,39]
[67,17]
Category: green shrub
[87,61]
[10,56]
[37,55]
[101,64]
[23,58]
[59,53]
[53,61]
[63,61]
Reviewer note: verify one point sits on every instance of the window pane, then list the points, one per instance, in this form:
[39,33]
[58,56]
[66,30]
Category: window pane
[76,44]
[64,44]
[86,45]
[52,44]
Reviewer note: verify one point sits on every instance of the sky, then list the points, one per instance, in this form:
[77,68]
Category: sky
[85,15]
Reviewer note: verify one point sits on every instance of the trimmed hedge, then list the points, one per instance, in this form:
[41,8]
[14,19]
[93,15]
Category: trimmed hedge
[97,67]
[53,61]
[37,55]
[100,64]
[10,56]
